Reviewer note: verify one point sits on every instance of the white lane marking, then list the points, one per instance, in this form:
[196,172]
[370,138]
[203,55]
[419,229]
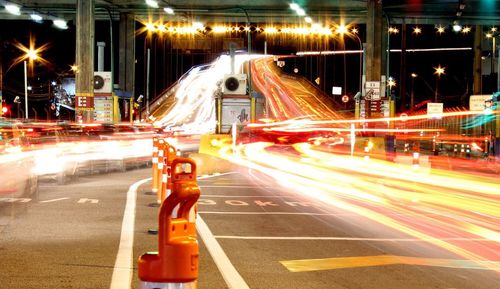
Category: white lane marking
[235,187]
[54,200]
[229,273]
[215,175]
[299,213]
[122,272]
[203,196]
[85,200]
[265,213]
[346,239]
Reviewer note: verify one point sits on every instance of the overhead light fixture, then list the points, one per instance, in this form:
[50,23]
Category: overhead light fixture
[150,27]
[162,28]
[36,17]
[308,19]
[466,29]
[300,12]
[440,29]
[168,10]
[61,24]
[294,6]
[341,29]
[152,3]
[456,27]
[13,9]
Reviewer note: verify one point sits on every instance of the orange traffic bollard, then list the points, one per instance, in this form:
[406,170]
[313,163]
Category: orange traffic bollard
[159,172]
[170,155]
[175,265]
[155,166]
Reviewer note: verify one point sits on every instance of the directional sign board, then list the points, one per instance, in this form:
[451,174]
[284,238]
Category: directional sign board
[372,89]
[478,102]
[434,110]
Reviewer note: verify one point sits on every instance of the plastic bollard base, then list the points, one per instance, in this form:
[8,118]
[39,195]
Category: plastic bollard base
[155,285]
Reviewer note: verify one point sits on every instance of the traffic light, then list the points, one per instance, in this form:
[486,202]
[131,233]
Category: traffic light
[5,109]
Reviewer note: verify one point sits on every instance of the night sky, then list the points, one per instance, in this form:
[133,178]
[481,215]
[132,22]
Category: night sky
[168,64]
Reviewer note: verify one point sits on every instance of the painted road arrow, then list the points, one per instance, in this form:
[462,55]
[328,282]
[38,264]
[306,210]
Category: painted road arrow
[369,261]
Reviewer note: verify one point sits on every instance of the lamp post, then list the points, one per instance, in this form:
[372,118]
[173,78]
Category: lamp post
[493,35]
[412,95]
[438,71]
[31,55]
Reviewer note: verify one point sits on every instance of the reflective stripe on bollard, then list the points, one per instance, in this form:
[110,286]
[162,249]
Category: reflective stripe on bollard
[154,285]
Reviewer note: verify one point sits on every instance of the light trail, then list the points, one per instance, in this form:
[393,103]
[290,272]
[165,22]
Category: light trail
[435,207]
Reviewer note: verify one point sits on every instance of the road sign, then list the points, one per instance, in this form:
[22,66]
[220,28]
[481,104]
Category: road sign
[337,90]
[372,90]
[345,98]
[478,102]
[434,109]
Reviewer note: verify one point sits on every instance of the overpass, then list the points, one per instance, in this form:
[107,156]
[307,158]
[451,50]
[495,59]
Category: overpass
[376,15]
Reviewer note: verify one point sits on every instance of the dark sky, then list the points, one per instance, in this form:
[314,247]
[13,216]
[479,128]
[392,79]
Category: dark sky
[169,64]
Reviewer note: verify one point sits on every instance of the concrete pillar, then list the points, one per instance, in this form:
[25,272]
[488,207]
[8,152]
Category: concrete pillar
[85,40]
[374,41]
[126,70]
[126,77]
[1,75]
[402,71]
[478,37]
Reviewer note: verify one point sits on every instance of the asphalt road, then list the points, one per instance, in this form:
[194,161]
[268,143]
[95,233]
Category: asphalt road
[70,237]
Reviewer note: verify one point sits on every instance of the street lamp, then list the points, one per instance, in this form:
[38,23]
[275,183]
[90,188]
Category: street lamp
[391,82]
[412,96]
[32,55]
[438,71]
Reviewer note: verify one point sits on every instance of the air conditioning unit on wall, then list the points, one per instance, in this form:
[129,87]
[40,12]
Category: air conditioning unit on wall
[234,84]
[102,82]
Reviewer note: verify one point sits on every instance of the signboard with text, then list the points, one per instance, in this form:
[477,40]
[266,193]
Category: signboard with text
[372,89]
[103,109]
[84,103]
[434,109]
[235,110]
[478,102]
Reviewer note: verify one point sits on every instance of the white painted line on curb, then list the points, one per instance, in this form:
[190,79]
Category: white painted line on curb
[229,273]
[54,200]
[346,239]
[264,213]
[215,175]
[122,273]
[235,187]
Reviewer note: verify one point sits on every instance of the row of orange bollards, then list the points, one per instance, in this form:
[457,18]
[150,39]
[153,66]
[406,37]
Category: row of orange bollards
[163,156]
[175,265]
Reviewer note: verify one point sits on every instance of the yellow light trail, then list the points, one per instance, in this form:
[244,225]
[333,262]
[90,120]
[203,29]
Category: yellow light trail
[443,205]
